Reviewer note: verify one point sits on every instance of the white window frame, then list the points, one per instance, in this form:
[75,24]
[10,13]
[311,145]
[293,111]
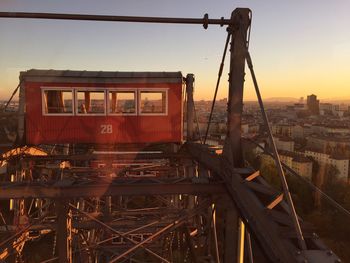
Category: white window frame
[117,242]
[138,237]
[43,100]
[134,90]
[153,90]
[97,89]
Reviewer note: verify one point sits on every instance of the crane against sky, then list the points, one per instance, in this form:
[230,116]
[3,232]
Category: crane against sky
[299,47]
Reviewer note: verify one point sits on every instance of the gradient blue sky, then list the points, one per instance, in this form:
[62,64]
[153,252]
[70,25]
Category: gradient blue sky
[298,47]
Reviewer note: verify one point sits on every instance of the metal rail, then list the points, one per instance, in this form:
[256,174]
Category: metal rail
[205,21]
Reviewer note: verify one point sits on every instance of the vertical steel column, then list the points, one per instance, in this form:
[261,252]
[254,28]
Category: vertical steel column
[190,107]
[227,229]
[190,169]
[64,232]
[238,28]
[21,112]
[240,22]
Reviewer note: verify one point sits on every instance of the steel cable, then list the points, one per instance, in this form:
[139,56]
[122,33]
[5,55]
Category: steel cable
[217,86]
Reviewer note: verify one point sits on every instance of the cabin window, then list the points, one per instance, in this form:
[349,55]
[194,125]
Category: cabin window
[121,102]
[57,102]
[153,102]
[90,102]
[136,237]
[117,240]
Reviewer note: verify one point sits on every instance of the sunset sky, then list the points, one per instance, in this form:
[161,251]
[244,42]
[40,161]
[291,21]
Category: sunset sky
[298,47]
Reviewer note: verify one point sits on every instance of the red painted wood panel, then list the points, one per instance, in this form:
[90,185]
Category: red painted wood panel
[87,129]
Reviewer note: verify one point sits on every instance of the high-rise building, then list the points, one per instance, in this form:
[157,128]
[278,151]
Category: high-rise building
[313,104]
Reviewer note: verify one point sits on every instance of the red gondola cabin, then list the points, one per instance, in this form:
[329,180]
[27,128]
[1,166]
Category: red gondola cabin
[102,107]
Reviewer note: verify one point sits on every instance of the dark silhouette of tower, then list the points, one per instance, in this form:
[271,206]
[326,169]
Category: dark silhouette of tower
[313,104]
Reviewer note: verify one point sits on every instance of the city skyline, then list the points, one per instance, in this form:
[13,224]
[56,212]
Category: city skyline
[297,48]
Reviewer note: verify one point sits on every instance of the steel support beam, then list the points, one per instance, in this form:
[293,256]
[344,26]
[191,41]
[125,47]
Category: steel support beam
[190,107]
[114,156]
[64,232]
[248,206]
[40,191]
[240,23]
[231,233]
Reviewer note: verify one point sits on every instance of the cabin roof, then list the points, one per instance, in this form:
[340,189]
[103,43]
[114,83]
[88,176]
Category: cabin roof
[84,76]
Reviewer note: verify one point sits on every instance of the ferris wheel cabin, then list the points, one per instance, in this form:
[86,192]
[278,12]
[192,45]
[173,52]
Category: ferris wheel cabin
[98,107]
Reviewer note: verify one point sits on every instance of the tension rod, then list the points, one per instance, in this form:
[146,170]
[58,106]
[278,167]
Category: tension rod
[286,191]
[205,21]
[217,86]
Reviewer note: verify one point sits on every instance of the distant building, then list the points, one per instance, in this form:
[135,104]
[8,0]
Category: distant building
[328,143]
[282,129]
[297,132]
[249,128]
[325,129]
[284,144]
[331,109]
[299,163]
[300,131]
[336,111]
[337,129]
[341,163]
[299,106]
[325,108]
[313,104]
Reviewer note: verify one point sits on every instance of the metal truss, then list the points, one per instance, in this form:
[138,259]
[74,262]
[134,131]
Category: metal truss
[264,211]
[186,206]
[180,218]
[150,211]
